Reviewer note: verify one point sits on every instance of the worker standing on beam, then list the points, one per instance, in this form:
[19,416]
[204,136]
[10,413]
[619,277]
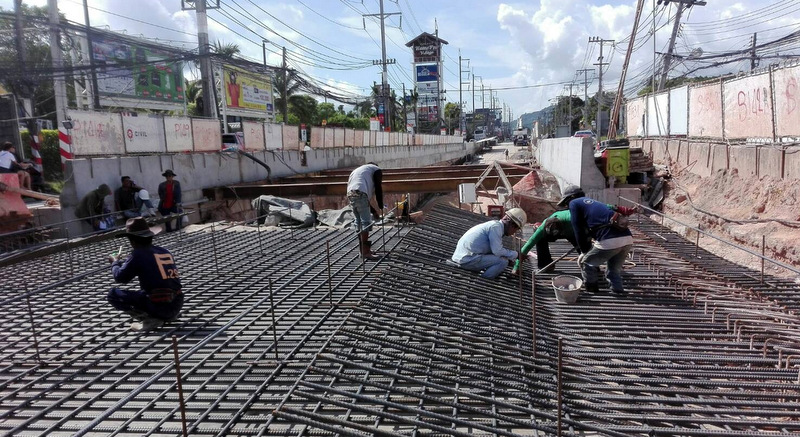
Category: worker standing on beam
[481,247]
[364,183]
[608,227]
[160,298]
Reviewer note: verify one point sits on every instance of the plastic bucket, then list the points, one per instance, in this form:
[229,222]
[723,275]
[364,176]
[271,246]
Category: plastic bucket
[567,288]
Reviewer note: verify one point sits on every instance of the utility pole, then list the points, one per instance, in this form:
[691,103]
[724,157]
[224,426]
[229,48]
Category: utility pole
[753,58]
[284,90]
[59,84]
[95,91]
[206,76]
[585,94]
[24,87]
[682,4]
[383,62]
[462,123]
[405,117]
[473,96]
[600,65]
[612,120]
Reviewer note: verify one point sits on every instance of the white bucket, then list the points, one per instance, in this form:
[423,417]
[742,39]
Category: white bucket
[567,288]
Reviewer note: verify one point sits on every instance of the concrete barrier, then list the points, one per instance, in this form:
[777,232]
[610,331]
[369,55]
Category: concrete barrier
[571,161]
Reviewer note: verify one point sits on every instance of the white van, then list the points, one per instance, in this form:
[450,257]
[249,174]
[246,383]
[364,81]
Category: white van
[480,134]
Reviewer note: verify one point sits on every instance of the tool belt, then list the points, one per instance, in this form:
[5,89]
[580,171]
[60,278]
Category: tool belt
[162,295]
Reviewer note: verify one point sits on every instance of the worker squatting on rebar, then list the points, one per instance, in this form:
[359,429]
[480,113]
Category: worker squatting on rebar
[608,227]
[160,298]
[364,183]
[557,227]
[481,247]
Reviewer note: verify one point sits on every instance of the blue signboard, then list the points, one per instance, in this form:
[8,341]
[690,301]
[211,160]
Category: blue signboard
[427,73]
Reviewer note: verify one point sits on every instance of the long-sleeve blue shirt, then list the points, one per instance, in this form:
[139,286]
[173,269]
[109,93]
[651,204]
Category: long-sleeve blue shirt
[154,266]
[483,239]
[587,214]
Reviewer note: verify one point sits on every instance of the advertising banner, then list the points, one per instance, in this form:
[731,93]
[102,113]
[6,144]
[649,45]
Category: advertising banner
[427,50]
[427,73]
[178,132]
[253,135]
[246,93]
[207,135]
[748,107]
[127,71]
[96,133]
[143,133]
[428,87]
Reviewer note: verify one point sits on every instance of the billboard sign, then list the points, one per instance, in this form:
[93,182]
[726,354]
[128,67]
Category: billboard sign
[138,73]
[427,73]
[246,93]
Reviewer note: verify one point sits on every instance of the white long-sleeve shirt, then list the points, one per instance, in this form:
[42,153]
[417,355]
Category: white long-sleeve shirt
[483,239]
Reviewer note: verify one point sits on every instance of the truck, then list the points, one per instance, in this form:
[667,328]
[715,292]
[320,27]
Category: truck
[521,136]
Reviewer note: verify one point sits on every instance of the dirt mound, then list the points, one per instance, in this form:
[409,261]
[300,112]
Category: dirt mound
[537,193]
[741,209]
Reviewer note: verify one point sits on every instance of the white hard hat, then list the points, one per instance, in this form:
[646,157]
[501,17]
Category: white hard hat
[144,195]
[518,216]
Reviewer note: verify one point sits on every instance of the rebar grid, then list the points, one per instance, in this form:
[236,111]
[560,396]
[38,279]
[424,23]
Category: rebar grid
[433,349]
[430,349]
[94,376]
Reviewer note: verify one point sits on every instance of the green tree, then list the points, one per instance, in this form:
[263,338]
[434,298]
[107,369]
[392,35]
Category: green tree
[304,107]
[452,115]
[292,89]
[225,50]
[325,111]
[193,90]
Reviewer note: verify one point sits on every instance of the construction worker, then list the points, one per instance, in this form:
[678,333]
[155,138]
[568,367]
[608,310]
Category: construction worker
[169,199]
[364,183]
[160,298]
[612,238]
[93,210]
[481,247]
[125,198]
[557,226]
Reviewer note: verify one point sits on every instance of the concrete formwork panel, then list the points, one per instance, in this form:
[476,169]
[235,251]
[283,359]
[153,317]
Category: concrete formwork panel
[634,113]
[791,169]
[701,159]
[96,133]
[657,114]
[330,137]
[349,138]
[769,161]
[705,111]
[673,149]
[206,135]
[679,111]
[743,159]
[787,101]
[291,137]
[317,138]
[273,136]
[253,135]
[358,138]
[178,133]
[748,107]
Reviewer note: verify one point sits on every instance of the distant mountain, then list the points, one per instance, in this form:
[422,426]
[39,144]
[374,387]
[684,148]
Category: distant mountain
[542,115]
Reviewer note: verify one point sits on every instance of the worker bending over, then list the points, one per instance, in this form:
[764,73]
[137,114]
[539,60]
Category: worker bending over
[160,298]
[556,227]
[481,247]
[364,183]
[608,227]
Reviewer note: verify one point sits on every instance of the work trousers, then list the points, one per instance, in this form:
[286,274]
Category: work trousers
[137,301]
[614,260]
[492,265]
[167,211]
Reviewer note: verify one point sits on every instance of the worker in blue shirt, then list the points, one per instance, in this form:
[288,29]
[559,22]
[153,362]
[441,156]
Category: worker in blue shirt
[593,220]
[160,298]
[481,247]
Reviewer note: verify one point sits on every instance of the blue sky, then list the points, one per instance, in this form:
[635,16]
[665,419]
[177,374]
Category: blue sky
[525,51]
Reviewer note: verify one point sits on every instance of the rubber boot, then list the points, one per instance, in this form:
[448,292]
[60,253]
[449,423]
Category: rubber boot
[366,248]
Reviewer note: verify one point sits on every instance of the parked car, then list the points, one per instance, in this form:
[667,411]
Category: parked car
[586,134]
[233,140]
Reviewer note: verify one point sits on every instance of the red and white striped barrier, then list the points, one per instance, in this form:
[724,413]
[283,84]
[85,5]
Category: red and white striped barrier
[65,145]
[35,151]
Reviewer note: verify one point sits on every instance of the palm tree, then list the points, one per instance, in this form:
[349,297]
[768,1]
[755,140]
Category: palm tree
[193,90]
[292,88]
[225,50]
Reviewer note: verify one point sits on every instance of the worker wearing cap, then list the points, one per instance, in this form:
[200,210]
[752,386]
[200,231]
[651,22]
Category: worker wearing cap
[481,247]
[160,298]
[364,183]
[593,220]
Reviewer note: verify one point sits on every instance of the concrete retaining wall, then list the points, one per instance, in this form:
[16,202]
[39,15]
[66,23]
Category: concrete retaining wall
[704,158]
[571,161]
[196,171]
